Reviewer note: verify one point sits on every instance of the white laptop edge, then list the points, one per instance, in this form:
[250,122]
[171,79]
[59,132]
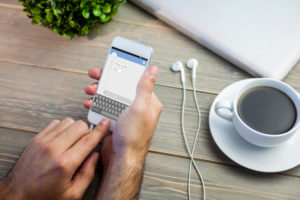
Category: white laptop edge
[219,49]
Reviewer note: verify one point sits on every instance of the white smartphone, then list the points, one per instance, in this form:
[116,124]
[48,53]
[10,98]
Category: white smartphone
[125,64]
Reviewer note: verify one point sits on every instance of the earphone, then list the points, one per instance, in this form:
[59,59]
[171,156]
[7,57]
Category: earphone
[192,63]
[176,67]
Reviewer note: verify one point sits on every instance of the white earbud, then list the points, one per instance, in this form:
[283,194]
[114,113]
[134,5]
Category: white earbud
[192,63]
[178,67]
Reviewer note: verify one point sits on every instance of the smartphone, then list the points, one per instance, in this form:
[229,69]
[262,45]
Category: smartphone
[125,63]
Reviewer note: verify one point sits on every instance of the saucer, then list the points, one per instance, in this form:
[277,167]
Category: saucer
[268,159]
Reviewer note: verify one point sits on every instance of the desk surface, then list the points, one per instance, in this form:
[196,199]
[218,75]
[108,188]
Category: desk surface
[42,77]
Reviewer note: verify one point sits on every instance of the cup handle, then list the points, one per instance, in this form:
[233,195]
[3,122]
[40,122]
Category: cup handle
[220,108]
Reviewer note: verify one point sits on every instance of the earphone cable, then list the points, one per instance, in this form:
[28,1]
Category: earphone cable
[194,144]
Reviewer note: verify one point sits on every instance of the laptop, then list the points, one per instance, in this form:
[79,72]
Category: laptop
[260,37]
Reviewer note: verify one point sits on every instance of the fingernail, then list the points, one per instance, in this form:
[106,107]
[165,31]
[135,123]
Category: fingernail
[153,72]
[105,121]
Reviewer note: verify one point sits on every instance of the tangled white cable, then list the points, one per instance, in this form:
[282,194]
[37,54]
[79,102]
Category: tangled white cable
[176,67]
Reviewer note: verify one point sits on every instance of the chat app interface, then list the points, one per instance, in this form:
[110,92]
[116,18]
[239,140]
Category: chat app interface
[121,75]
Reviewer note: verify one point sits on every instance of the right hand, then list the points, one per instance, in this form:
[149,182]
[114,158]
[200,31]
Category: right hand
[134,129]
[49,167]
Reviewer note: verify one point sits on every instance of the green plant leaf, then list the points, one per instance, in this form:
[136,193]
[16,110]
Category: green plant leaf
[70,18]
[49,15]
[36,11]
[85,30]
[86,13]
[96,11]
[102,16]
[72,24]
[106,8]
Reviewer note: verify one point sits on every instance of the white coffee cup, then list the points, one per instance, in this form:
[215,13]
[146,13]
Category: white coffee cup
[228,110]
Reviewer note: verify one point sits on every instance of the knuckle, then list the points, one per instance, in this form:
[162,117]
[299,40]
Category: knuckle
[55,121]
[61,164]
[47,148]
[152,80]
[83,125]
[88,140]
[68,119]
[160,106]
[100,128]
[38,142]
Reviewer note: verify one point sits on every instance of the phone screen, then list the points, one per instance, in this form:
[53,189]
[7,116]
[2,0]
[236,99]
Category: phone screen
[121,74]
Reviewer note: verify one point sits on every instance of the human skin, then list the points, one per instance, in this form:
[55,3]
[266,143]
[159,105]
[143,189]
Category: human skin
[124,151]
[58,164]
[47,167]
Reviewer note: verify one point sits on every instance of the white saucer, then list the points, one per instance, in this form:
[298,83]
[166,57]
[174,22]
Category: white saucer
[272,159]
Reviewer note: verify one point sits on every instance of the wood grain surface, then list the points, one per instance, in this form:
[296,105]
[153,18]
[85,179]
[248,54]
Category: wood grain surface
[42,77]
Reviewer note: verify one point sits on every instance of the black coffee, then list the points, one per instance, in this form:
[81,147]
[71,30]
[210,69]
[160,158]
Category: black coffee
[267,110]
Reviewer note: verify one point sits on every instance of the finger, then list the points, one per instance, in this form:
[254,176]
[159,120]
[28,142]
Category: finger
[58,129]
[81,149]
[70,136]
[95,73]
[48,128]
[146,85]
[91,89]
[85,175]
[87,104]
[156,105]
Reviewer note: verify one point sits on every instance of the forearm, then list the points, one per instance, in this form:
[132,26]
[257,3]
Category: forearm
[122,178]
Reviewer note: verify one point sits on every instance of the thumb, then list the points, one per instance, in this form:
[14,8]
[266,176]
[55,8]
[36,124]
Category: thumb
[146,84]
[85,175]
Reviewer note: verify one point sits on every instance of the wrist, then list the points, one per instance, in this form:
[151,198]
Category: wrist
[7,191]
[122,176]
[130,158]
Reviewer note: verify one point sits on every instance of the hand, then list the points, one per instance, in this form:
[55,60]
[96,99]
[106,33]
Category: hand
[123,153]
[47,168]
[135,127]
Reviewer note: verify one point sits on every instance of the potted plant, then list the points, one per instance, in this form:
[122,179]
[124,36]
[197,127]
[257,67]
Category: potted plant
[71,17]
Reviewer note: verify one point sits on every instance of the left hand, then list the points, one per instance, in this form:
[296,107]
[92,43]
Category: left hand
[47,168]
[142,114]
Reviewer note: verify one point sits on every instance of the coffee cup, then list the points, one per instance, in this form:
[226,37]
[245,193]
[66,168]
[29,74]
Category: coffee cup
[265,112]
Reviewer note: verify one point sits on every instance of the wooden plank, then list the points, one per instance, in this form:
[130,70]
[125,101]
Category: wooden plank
[138,16]
[25,105]
[10,2]
[38,46]
[165,176]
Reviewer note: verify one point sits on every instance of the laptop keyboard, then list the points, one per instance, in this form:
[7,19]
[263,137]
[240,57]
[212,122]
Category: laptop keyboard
[107,106]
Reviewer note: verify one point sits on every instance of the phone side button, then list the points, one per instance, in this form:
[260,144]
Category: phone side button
[107,114]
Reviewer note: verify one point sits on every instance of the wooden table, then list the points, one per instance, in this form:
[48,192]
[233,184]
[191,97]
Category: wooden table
[42,78]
